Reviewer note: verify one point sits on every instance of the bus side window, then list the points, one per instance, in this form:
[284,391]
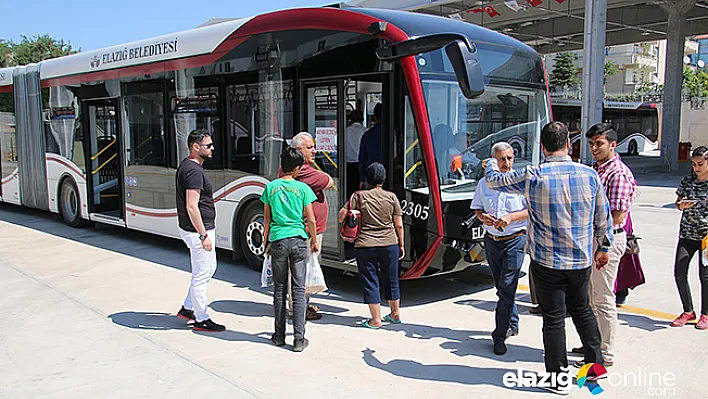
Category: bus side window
[144,102]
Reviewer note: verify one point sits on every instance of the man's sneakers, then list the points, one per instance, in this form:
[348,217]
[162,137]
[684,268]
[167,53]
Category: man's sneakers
[512,332]
[208,326]
[185,314]
[277,340]
[300,345]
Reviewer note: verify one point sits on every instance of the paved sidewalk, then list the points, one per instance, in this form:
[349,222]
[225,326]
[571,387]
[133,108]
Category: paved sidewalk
[90,312]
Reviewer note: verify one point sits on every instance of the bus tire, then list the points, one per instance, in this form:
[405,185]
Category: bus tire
[70,204]
[251,235]
[633,148]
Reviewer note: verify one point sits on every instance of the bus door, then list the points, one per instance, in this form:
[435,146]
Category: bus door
[327,115]
[104,161]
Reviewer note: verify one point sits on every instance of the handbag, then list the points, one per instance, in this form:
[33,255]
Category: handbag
[352,222]
[632,245]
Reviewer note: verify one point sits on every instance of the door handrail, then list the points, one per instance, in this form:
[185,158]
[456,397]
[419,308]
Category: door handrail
[93,158]
[93,172]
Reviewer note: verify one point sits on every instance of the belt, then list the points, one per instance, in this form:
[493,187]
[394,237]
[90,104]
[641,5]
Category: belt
[507,238]
[618,231]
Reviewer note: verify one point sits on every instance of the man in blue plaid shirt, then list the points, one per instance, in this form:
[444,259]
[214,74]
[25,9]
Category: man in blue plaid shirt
[568,210]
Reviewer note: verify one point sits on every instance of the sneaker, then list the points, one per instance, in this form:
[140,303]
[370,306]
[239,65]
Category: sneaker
[512,332]
[702,323]
[208,326]
[300,344]
[278,340]
[581,363]
[499,347]
[683,319]
[557,390]
[186,314]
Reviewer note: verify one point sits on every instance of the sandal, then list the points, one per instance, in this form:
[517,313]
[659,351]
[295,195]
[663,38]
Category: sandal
[390,319]
[310,314]
[315,308]
[365,323]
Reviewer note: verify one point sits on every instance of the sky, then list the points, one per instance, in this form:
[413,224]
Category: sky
[93,24]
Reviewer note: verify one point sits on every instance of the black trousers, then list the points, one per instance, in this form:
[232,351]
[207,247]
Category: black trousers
[352,178]
[558,290]
[684,254]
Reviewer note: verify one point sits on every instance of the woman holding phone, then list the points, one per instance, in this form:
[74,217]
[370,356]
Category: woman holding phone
[692,200]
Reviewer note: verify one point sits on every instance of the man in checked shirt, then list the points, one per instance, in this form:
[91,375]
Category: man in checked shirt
[619,184]
[568,212]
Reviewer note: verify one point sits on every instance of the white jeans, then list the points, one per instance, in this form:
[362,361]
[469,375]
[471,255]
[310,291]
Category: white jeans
[602,296]
[203,268]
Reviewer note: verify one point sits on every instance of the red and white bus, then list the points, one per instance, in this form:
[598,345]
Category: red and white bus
[97,136]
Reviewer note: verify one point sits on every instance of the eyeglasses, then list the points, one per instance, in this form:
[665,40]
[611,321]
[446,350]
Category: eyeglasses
[207,146]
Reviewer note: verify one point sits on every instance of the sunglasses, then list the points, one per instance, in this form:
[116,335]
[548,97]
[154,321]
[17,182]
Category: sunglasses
[207,146]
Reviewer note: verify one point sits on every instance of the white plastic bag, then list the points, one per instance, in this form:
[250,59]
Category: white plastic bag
[267,272]
[314,278]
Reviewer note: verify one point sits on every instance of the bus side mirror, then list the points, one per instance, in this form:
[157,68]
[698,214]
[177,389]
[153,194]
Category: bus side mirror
[461,53]
[467,68]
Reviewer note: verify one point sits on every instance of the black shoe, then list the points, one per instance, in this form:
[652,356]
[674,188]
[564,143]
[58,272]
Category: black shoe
[557,390]
[186,314]
[278,340]
[512,332]
[578,351]
[208,325]
[499,347]
[535,309]
[300,345]
[581,363]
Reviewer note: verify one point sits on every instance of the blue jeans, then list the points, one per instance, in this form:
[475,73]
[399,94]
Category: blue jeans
[369,261]
[505,259]
[289,254]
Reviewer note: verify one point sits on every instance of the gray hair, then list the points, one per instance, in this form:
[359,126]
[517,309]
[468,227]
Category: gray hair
[297,141]
[500,146]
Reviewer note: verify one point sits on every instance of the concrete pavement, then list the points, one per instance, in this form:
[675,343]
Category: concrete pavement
[90,312]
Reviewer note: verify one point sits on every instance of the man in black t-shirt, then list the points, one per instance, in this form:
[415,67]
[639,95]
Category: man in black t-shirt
[196,214]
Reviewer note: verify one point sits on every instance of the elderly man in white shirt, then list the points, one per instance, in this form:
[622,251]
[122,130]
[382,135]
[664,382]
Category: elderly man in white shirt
[504,216]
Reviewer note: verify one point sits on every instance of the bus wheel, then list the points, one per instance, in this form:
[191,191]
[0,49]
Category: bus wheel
[633,148]
[70,204]
[251,235]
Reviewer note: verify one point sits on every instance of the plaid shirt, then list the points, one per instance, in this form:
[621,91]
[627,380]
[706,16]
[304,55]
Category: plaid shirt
[567,206]
[619,184]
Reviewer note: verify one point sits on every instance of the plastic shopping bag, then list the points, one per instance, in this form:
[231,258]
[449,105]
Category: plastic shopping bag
[267,272]
[314,278]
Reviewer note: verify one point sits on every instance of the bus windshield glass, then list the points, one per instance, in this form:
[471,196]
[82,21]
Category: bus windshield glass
[513,108]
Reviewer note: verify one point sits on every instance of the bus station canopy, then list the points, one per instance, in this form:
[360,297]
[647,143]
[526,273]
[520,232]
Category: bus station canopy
[556,25]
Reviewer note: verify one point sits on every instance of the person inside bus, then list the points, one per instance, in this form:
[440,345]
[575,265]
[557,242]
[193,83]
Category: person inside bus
[354,133]
[318,182]
[370,146]
[285,201]
[504,216]
[379,245]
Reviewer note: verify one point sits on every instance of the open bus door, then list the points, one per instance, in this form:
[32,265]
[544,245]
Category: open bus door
[104,163]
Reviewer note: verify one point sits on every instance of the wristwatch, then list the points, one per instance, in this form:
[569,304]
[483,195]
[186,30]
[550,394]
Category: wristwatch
[203,237]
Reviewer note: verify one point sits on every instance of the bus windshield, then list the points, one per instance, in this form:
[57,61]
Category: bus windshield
[464,130]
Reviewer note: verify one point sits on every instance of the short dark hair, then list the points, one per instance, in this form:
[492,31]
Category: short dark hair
[377,111]
[602,129]
[357,116]
[700,151]
[290,159]
[375,174]
[197,136]
[554,136]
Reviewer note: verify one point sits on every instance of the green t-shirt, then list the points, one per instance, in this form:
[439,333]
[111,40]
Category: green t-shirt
[287,199]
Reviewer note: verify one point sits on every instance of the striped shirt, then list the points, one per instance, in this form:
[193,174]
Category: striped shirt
[619,184]
[568,210]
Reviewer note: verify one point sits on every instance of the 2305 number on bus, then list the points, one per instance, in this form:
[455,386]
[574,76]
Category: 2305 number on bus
[417,211]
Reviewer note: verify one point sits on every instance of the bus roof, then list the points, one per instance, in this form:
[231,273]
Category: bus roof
[205,40]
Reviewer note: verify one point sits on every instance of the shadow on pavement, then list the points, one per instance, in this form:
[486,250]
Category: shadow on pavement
[441,372]
[172,253]
[642,322]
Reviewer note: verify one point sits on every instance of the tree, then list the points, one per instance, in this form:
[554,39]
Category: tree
[5,53]
[564,71]
[695,82]
[38,48]
[610,69]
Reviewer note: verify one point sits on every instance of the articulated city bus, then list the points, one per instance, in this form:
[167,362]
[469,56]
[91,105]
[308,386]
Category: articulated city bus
[97,136]
[636,122]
